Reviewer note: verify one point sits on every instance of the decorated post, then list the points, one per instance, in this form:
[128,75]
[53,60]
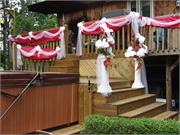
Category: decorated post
[138,52]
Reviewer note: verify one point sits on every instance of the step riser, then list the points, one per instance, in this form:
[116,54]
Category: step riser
[105,110]
[67,63]
[136,104]
[64,70]
[117,85]
[125,95]
[99,99]
[173,117]
[152,112]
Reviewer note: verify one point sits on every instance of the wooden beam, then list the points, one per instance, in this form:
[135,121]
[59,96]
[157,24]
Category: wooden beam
[174,64]
[168,84]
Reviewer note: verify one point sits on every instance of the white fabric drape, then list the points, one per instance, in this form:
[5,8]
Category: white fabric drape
[102,77]
[137,76]
[144,78]
[62,45]
[43,34]
[79,40]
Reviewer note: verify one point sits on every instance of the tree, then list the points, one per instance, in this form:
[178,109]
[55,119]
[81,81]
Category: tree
[17,20]
[30,21]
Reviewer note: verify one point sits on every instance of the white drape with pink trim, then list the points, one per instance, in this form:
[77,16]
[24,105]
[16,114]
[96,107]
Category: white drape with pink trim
[96,27]
[32,52]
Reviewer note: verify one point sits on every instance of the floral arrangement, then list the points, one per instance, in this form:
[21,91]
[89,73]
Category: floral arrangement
[139,51]
[104,47]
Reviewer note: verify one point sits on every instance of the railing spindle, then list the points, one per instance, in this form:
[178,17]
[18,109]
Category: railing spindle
[174,39]
[123,45]
[118,40]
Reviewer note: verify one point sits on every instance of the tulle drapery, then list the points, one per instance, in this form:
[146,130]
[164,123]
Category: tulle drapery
[36,53]
[38,38]
[95,28]
[103,86]
[31,43]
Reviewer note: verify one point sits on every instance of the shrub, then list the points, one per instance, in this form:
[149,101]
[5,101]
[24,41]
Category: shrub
[98,124]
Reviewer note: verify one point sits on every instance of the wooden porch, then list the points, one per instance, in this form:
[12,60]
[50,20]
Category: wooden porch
[135,102]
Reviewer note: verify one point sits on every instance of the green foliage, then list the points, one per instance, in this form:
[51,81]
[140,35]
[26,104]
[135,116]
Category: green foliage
[98,124]
[27,21]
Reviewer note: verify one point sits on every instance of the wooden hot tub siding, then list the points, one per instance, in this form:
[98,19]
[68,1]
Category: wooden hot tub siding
[51,101]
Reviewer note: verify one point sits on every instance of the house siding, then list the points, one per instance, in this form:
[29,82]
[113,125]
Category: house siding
[164,7]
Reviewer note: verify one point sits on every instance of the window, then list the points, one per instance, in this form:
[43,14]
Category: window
[145,8]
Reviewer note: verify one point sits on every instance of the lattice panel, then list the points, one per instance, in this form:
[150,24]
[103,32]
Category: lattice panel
[122,68]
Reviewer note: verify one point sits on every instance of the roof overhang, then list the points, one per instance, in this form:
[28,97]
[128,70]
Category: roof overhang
[60,7]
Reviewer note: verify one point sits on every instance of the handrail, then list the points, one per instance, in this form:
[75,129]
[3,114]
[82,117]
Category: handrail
[20,95]
[160,41]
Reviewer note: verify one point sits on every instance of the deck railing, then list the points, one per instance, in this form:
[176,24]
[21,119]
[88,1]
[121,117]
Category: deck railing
[122,41]
[163,41]
[160,41]
[37,65]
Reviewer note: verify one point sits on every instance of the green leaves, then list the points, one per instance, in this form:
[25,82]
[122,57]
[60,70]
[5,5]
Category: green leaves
[26,22]
[31,21]
[98,124]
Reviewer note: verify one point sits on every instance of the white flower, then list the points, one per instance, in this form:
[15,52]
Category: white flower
[130,53]
[140,52]
[98,43]
[130,48]
[101,43]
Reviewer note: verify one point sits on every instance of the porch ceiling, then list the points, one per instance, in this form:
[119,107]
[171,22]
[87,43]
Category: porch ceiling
[50,7]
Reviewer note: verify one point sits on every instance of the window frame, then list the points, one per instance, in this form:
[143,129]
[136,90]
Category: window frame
[138,7]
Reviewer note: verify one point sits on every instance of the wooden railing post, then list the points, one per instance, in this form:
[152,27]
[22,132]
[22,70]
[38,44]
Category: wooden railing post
[14,56]
[66,36]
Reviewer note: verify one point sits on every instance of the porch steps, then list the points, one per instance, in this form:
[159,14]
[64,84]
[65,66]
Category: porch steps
[117,94]
[131,103]
[75,129]
[125,105]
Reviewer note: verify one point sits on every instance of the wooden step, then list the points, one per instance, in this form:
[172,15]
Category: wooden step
[68,130]
[64,69]
[129,104]
[117,94]
[67,62]
[114,83]
[146,111]
[105,109]
[166,115]
[124,105]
